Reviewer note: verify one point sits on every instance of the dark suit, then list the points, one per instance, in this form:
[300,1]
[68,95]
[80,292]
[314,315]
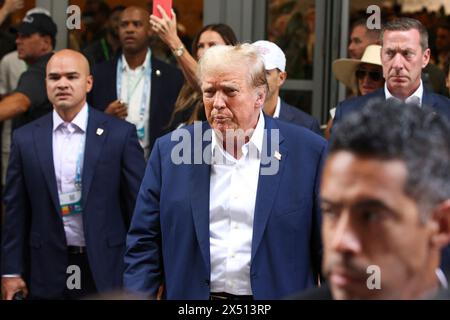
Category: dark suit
[294,115]
[321,293]
[169,238]
[439,103]
[166,82]
[34,241]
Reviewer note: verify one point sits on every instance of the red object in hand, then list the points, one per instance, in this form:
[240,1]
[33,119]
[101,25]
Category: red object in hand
[165,4]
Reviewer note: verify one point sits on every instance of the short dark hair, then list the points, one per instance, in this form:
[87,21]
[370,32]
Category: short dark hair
[406,24]
[393,130]
[222,29]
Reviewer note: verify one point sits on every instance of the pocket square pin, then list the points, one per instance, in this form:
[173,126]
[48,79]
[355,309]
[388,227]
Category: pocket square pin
[277,155]
[99,131]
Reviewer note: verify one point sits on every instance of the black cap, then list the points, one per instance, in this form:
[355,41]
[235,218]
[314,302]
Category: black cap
[37,23]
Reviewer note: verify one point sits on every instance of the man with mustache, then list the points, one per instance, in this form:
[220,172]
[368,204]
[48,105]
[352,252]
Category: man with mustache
[136,86]
[404,54]
[71,187]
[237,217]
[385,200]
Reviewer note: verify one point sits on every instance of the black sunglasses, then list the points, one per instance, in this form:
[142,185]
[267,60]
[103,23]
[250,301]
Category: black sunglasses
[373,75]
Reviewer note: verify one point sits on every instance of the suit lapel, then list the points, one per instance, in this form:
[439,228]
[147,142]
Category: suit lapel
[268,184]
[95,139]
[427,100]
[155,86]
[285,112]
[43,141]
[199,186]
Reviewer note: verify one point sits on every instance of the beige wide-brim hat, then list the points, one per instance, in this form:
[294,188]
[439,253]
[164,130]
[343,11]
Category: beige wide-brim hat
[344,69]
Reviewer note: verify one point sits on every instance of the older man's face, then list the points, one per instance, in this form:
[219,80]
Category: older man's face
[368,220]
[403,60]
[230,101]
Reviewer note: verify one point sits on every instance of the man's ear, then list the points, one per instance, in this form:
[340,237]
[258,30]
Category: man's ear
[282,76]
[426,58]
[260,96]
[441,219]
[89,83]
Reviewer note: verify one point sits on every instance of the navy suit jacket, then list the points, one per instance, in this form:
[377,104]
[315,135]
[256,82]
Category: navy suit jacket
[439,103]
[166,82]
[34,242]
[169,242]
[294,115]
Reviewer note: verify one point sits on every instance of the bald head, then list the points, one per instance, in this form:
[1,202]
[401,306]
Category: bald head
[81,61]
[68,81]
[134,30]
[137,10]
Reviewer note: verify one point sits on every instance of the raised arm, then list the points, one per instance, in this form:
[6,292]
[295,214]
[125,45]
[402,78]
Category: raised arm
[166,29]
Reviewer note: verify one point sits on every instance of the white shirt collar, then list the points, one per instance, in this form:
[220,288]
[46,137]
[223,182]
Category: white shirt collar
[256,139]
[418,93]
[145,65]
[442,278]
[80,119]
[276,113]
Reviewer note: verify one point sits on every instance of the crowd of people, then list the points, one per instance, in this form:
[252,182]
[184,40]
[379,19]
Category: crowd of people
[242,197]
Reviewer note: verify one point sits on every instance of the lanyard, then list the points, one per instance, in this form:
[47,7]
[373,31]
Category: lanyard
[130,91]
[105,49]
[78,170]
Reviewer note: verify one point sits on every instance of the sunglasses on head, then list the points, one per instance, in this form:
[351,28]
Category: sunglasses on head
[373,75]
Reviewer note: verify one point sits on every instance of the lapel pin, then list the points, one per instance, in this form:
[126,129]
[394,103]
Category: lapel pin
[158,73]
[99,131]
[277,155]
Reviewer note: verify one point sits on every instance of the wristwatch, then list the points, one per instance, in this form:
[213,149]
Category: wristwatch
[178,52]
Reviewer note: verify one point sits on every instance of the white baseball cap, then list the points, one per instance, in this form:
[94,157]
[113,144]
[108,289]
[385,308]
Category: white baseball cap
[272,55]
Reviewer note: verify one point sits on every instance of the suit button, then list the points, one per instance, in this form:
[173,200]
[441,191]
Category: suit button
[207,283]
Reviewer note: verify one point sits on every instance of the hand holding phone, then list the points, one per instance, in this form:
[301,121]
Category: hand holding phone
[165,4]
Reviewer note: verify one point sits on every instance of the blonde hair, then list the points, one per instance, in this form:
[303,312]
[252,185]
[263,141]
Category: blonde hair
[220,58]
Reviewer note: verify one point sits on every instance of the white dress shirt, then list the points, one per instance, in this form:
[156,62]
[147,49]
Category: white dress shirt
[132,93]
[416,97]
[68,138]
[276,113]
[233,186]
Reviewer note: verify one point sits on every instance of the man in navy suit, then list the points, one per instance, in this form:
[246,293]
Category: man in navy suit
[228,207]
[404,54]
[385,198]
[71,187]
[134,85]
[274,106]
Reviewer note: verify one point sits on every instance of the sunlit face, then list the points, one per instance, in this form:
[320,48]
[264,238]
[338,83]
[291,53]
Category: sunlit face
[369,77]
[68,81]
[207,40]
[368,220]
[230,101]
[403,60]
[358,42]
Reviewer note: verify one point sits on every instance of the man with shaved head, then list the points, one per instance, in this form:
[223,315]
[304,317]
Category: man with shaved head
[71,186]
[135,86]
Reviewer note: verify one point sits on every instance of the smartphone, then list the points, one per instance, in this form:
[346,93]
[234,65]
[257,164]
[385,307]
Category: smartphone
[165,4]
